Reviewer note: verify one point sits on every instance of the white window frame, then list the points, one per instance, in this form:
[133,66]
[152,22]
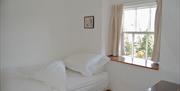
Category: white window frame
[137,6]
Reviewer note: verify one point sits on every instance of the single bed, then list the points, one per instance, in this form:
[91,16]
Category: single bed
[15,81]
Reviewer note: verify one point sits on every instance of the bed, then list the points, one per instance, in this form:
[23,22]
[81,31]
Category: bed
[75,82]
[54,77]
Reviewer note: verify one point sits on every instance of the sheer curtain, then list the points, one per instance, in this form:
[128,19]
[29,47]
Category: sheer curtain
[157,32]
[116,22]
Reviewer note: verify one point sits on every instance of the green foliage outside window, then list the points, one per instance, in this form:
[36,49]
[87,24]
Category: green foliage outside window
[128,47]
[140,46]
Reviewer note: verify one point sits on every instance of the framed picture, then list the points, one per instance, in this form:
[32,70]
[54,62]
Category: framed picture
[88,22]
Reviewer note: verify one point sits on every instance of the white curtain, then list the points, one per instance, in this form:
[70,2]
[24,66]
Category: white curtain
[116,22]
[157,29]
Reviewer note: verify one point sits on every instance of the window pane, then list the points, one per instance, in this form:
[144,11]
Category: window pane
[128,44]
[150,46]
[143,18]
[153,11]
[129,20]
[140,46]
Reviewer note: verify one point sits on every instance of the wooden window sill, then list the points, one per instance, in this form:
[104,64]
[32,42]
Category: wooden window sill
[154,66]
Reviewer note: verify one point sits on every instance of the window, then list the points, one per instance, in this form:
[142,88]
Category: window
[138,34]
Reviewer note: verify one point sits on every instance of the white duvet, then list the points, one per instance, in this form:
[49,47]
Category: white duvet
[76,82]
[22,84]
[50,78]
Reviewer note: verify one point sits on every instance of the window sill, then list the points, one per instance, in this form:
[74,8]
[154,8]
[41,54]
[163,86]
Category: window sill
[154,66]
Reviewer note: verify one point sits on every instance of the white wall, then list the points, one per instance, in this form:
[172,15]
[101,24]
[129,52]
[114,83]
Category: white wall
[178,23]
[106,33]
[130,78]
[84,40]
[32,31]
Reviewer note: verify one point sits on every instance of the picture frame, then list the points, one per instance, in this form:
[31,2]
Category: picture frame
[88,22]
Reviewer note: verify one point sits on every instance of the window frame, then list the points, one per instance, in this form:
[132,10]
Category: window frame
[150,6]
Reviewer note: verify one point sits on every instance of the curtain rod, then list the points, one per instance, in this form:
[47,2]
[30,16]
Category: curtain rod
[138,1]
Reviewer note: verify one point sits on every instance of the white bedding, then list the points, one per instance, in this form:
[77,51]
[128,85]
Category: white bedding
[48,78]
[14,81]
[78,82]
[22,84]
[75,82]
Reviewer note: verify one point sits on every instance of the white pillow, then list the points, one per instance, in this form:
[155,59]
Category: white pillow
[100,65]
[83,63]
[53,75]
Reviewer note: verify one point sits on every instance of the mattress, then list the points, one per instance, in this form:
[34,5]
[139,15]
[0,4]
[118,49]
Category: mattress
[78,82]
